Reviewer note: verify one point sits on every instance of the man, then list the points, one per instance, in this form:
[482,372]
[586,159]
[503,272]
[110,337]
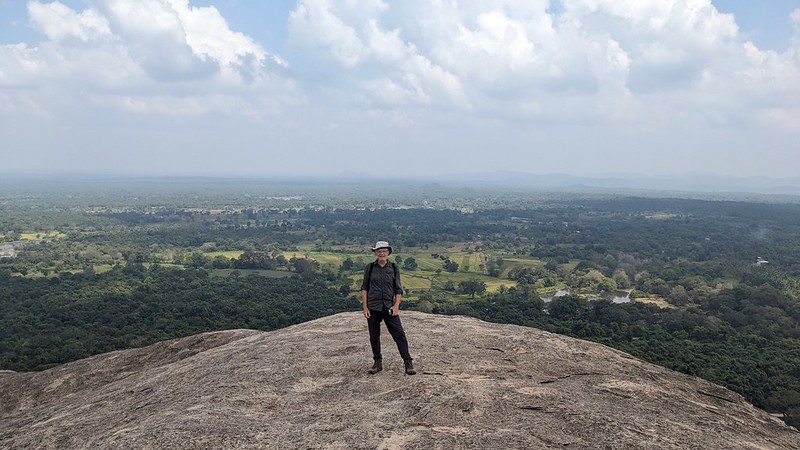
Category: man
[381,291]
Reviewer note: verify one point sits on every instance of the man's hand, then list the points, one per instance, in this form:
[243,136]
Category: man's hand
[366,313]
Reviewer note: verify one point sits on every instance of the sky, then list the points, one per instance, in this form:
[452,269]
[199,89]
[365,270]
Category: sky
[400,89]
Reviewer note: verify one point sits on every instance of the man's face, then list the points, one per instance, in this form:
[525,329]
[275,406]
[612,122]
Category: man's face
[382,252]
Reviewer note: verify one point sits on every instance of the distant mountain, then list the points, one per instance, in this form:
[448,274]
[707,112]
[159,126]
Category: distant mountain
[691,183]
[479,386]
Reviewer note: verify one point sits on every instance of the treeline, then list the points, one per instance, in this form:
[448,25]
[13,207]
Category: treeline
[50,321]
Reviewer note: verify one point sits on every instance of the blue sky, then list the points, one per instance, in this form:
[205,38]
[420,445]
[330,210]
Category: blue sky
[407,88]
[767,23]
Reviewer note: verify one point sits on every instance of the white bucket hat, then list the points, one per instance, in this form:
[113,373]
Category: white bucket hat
[382,244]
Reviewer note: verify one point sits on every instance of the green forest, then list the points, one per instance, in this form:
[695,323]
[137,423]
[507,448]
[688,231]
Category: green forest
[708,285]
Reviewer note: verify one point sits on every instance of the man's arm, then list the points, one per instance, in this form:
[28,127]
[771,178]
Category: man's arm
[398,291]
[396,305]
[364,303]
[365,288]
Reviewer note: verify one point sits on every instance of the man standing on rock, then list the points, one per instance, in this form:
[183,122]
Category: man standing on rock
[380,295]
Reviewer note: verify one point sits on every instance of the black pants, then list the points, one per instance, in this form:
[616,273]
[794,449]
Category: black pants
[395,328]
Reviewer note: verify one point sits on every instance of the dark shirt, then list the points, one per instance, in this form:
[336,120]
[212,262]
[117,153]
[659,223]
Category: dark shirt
[383,284]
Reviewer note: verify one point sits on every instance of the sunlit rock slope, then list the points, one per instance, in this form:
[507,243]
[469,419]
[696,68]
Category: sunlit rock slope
[480,385]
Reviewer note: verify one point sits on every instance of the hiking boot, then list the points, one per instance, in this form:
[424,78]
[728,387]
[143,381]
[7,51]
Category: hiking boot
[409,367]
[377,366]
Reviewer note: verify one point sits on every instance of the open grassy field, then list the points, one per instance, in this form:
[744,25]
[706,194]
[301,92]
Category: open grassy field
[658,301]
[414,282]
[32,236]
[510,263]
[329,258]
[246,272]
[233,254]
[102,268]
[469,262]
[427,263]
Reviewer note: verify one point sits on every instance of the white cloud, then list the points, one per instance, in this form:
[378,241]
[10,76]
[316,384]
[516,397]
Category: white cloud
[498,53]
[208,34]
[498,57]
[159,56]
[61,24]
[316,23]
[617,59]
[543,74]
[352,35]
